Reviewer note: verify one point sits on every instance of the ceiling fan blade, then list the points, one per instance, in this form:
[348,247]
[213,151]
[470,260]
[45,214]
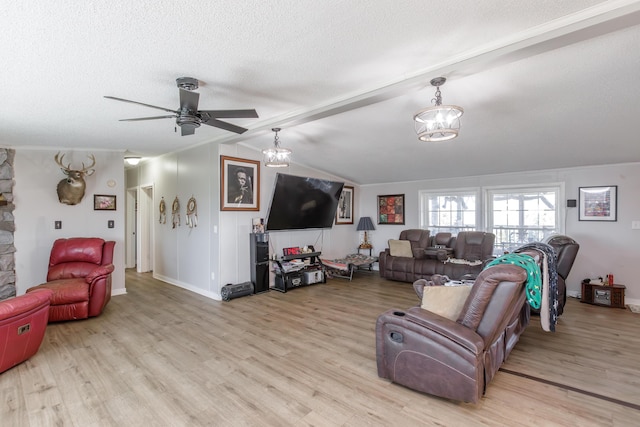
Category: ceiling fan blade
[189,100]
[229,114]
[147,118]
[140,103]
[187,130]
[224,125]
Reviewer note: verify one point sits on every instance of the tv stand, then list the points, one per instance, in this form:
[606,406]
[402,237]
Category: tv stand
[309,274]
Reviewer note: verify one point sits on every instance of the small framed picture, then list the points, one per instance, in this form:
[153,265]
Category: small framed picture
[391,209]
[344,213]
[102,202]
[598,203]
[239,184]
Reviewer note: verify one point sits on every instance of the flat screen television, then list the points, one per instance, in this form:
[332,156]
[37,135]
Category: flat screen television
[299,203]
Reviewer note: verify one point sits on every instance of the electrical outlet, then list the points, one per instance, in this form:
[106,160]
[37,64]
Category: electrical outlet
[110,224]
[57,225]
[635,225]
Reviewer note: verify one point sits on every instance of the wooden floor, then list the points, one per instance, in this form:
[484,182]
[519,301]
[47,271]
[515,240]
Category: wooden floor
[163,356]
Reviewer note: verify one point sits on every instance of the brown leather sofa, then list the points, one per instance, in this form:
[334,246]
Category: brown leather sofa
[456,359]
[80,277]
[471,248]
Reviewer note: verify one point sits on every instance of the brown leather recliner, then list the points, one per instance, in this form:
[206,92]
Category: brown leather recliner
[472,246]
[566,250]
[456,359]
[402,268]
[80,277]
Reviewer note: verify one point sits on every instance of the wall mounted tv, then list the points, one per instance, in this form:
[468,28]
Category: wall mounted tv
[299,203]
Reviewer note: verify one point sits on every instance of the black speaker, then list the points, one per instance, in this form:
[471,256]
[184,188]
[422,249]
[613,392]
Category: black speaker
[235,291]
[259,259]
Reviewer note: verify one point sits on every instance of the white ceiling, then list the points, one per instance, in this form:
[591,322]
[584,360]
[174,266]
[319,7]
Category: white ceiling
[544,84]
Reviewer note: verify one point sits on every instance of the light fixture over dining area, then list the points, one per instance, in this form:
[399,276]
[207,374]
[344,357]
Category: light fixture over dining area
[276,156]
[439,122]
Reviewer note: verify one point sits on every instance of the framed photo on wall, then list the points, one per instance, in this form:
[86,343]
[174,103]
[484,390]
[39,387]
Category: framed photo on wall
[239,184]
[344,213]
[103,202]
[598,203]
[391,209]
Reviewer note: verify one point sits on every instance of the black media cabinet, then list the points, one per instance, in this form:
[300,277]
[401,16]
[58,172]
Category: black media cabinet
[310,274]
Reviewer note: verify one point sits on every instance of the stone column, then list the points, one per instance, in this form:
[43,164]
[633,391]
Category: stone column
[7,225]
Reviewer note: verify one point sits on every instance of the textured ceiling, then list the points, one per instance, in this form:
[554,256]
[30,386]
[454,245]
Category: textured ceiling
[544,84]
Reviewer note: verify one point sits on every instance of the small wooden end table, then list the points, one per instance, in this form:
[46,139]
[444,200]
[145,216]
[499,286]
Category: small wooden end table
[604,295]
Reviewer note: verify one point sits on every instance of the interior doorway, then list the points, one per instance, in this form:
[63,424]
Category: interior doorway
[144,250]
[131,225]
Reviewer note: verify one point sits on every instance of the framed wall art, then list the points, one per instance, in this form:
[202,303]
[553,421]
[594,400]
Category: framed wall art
[598,203]
[391,209]
[102,202]
[239,184]
[344,213]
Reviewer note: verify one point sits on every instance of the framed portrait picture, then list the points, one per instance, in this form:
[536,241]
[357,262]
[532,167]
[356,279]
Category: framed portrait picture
[598,203]
[102,202]
[391,209]
[344,213]
[239,184]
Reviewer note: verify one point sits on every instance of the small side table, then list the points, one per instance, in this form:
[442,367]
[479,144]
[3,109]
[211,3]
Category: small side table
[364,249]
[605,295]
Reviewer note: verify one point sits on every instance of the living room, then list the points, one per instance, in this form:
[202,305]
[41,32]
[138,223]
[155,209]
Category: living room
[528,122]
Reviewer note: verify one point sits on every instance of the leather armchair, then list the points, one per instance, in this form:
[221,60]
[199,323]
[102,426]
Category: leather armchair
[23,321]
[456,359]
[566,250]
[80,277]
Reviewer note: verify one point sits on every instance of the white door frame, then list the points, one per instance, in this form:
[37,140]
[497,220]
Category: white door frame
[131,223]
[145,229]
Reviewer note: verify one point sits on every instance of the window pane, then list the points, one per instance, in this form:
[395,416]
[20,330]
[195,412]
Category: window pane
[520,217]
[452,212]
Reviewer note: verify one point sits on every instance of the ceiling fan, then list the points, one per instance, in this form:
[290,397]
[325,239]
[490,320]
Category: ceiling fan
[188,117]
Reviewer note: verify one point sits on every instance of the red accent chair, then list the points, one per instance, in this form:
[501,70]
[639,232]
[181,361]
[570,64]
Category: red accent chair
[80,277]
[23,321]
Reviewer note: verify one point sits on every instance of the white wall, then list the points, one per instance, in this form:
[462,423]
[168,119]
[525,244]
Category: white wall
[37,208]
[216,252]
[605,247]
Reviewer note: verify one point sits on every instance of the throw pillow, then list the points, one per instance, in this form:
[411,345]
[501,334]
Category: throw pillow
[400,248]
[446,301]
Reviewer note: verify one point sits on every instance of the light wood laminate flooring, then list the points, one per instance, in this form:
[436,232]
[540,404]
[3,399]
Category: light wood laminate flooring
[163,356]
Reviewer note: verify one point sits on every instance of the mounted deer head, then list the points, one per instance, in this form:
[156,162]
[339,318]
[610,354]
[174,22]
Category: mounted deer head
[71,189]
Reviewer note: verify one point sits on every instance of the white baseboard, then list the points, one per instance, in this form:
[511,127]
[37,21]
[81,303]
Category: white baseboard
[212,295]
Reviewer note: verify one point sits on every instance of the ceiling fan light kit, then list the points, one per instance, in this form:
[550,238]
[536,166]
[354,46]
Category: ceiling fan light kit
[188,117]
[276,156]
[439,122]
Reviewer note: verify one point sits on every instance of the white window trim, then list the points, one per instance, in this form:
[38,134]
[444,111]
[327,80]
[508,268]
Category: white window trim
[423,198]
[484,215]
[560,211]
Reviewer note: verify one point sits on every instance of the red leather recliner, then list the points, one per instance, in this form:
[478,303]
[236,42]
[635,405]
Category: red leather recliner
[80,277]
[23,321]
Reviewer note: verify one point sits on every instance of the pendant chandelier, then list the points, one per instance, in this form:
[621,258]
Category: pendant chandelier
[440,122]
[276,157]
